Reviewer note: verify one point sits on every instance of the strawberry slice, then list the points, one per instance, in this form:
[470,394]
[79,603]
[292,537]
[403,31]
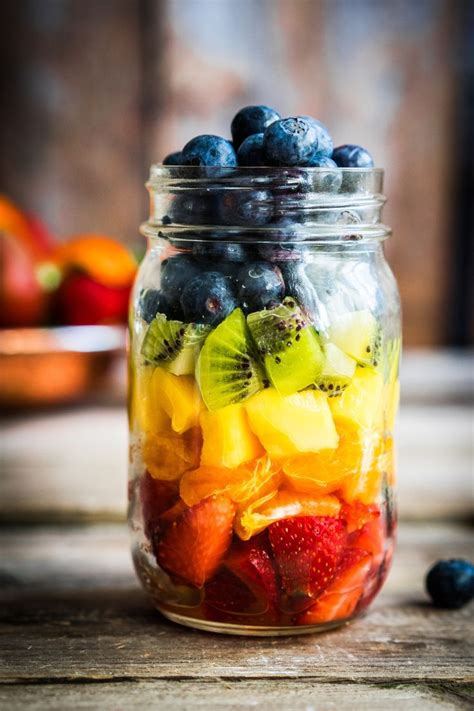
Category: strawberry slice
[340,599]
[156,497]
[358,514]
[371,538]
[246,585]
[194,544]
[307,551]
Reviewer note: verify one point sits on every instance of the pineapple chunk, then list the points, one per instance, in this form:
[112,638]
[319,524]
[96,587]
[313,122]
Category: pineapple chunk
[296,423]
[228,439]
[361,400]
[179,397]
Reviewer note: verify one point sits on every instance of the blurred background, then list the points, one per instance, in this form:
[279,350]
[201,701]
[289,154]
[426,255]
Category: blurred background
[93,91]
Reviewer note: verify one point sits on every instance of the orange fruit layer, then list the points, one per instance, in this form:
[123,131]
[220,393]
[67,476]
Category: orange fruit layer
[245,484]
[102,258]
[168,456]
[275,506]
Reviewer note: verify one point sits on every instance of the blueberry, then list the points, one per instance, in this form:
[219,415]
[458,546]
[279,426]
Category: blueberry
[350,156]
[196,207]
[175,158]
[251,151]
[152,302]
[450,583]
[261,285]
[250,120]
[176,272]
[219,251]
[298,285]
[280,251]
[325,182]
[293,141]
[246,208]
[208,298]
[208,150]
[325,145]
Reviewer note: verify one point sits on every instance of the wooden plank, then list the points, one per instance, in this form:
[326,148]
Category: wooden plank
[72,611]
[181,695]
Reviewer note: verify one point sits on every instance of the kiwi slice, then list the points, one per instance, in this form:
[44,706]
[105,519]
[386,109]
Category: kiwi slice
[289,346]
[357,334]
[337,371]
[228,369]
[173,344]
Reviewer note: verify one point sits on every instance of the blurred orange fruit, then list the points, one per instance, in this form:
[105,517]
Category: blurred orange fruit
[104,259]
[29,231]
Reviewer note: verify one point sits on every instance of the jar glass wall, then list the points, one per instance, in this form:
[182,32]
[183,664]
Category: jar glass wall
[264,349]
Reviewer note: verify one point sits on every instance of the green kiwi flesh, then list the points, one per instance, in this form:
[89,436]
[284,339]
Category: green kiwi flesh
[228,370]
[173,344]
[289,346]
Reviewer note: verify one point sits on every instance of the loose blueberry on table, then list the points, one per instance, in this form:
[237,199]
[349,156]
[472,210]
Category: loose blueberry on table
[264,433]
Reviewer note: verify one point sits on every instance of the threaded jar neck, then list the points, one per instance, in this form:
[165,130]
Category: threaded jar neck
[315,205]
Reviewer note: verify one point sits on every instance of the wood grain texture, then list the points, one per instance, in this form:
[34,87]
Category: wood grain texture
[71,611]
[182,695]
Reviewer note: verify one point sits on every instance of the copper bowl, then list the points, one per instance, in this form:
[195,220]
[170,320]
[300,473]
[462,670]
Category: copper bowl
[48,366]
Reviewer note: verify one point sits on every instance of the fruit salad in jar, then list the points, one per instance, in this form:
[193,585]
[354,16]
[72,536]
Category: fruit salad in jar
[264,354]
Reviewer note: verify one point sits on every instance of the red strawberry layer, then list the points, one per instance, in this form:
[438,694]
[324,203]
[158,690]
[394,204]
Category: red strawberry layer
[195,542]
[307,551]
[340,599]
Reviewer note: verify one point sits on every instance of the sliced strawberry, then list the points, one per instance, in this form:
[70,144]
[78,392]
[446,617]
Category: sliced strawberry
[194,544]
[307,551]
[156,497]
[371,538]
[358,514]
[340,599]
[247,584]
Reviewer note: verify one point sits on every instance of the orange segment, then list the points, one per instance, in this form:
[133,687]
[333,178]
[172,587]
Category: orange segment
[326,470]
[168,456]
[365,484]
[104,259]
[282,504]
[242,485]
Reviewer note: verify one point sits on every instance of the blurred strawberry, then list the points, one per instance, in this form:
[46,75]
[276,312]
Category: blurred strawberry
[246,585]
[195,543]
[307,551]
[81,301]
[22,301]
[341,597]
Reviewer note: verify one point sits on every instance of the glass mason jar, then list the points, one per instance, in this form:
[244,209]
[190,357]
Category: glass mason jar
[264,349]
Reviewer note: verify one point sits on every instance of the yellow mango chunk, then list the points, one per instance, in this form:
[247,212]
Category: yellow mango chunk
[282,504]
[228,440]
[288,425]
[145,413]
[361,401]
[179,397]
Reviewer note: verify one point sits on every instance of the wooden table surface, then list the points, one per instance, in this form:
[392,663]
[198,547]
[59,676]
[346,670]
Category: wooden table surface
[78,632]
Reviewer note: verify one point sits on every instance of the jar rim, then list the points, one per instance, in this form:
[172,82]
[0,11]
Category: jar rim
[191,172]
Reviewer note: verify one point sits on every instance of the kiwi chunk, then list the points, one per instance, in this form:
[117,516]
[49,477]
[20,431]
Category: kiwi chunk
[289,346]
[173,344]
[228,370]
[358,335]
[337,371]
